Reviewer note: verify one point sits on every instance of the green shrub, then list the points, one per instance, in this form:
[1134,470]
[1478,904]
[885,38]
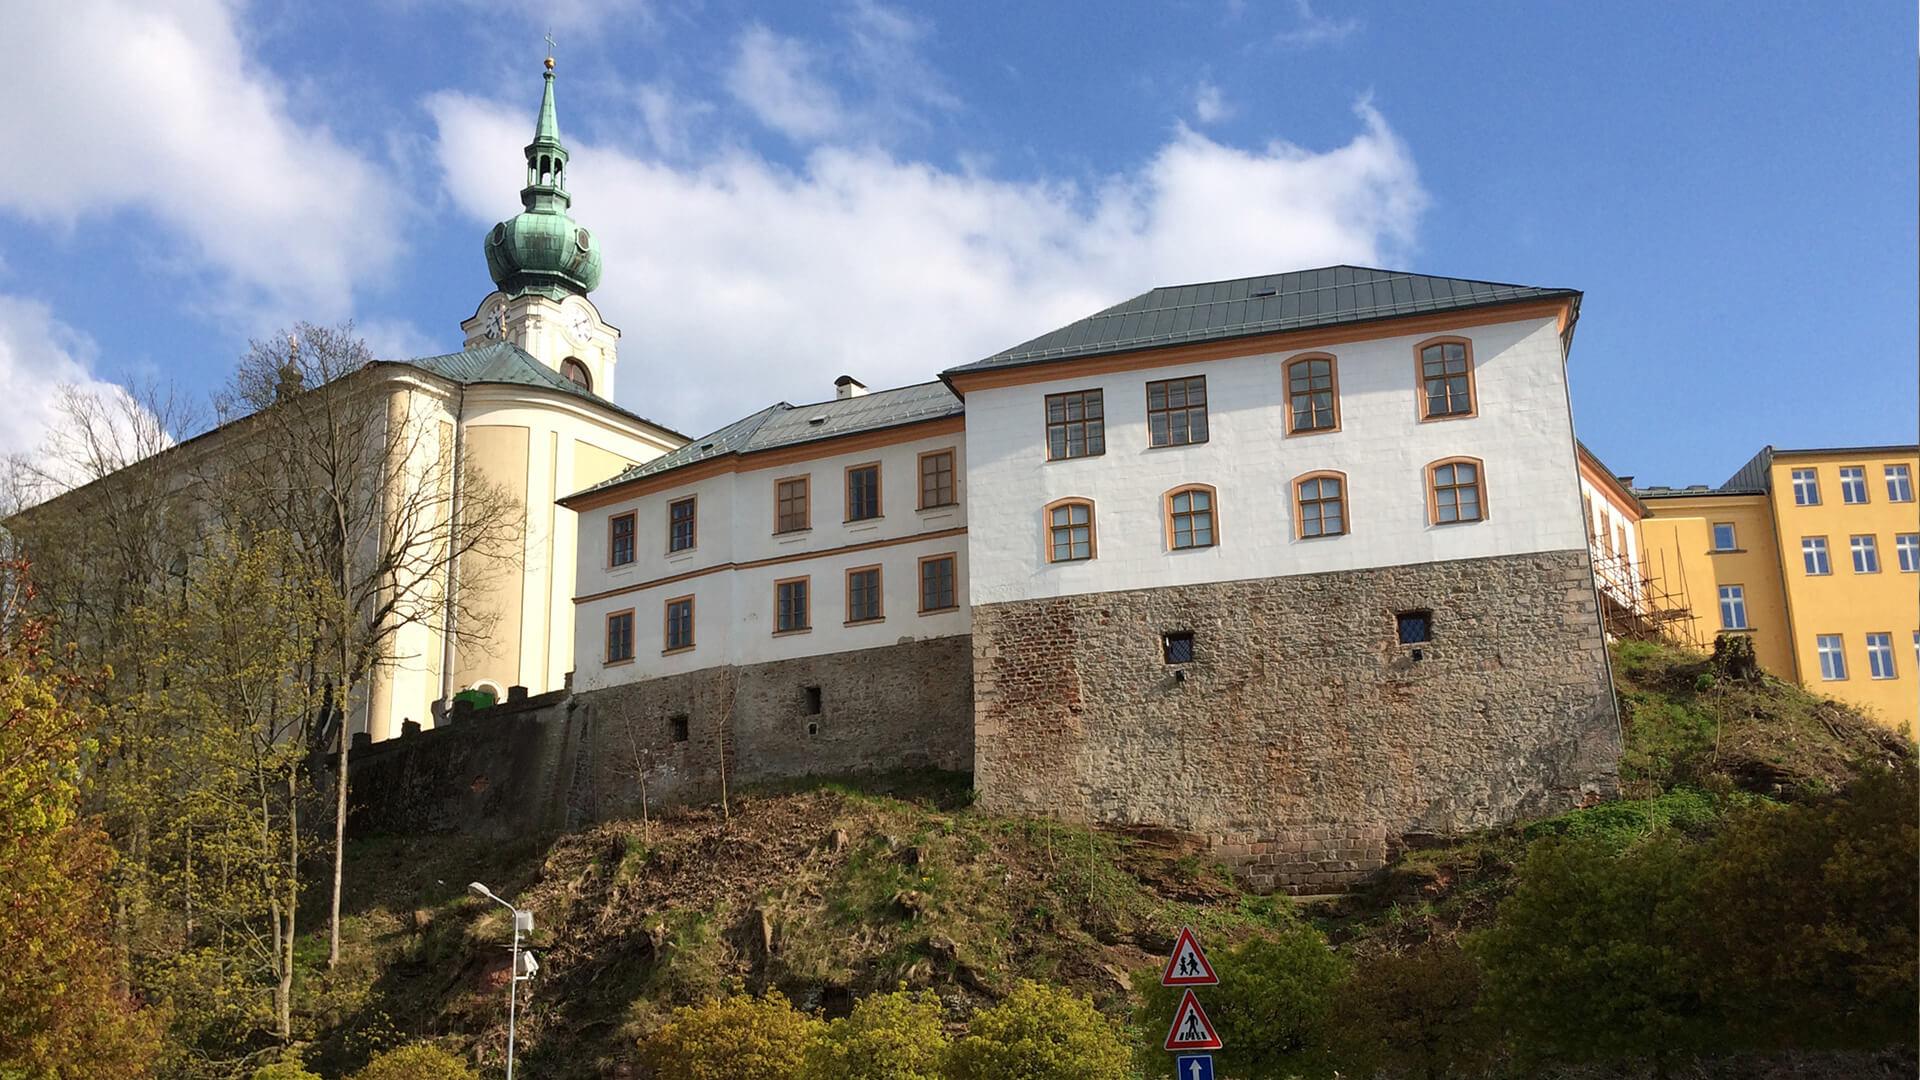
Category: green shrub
[1413,1013]
[289,1067]
[735,1038]
[1270,1009]
[887,1037]
[1040,1033]
[415,1063]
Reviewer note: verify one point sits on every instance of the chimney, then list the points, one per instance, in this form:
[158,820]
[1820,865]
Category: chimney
[846,386]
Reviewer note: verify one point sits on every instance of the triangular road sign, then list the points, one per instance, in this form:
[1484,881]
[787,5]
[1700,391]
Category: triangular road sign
[1188,966]
[1191,1030]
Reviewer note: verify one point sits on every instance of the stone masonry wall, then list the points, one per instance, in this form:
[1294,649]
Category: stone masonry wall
[901,706]
[1304,742]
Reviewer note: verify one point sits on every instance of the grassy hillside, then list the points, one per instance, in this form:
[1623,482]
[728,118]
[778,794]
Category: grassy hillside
[836,891]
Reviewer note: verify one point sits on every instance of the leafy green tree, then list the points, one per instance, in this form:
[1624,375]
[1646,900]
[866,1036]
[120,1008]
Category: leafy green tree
[63,1014]
[1270,1009]
[1592,957]
[1413,1012]
[289,1067]
[894,1036]
[415,1063]
[1040,1033]
[735,1038]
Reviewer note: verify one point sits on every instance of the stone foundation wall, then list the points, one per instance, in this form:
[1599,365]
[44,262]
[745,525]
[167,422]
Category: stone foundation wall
[900,706]
[1303,741]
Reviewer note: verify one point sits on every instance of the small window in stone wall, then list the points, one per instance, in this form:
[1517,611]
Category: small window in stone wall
[679,726]
[1178,647]
[1416,627]
[813,701]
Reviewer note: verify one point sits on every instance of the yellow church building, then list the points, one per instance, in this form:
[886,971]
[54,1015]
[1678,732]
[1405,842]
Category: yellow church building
[1815,554]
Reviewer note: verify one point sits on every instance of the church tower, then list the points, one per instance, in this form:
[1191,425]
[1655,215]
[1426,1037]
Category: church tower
[543,265]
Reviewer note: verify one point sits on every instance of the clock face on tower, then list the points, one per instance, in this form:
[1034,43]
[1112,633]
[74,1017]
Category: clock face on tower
[579,325]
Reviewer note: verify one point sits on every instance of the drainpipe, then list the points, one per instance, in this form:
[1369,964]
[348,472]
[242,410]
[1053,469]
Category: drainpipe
[453,561]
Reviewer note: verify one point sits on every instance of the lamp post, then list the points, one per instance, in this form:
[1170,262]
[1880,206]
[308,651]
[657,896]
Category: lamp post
[522,920]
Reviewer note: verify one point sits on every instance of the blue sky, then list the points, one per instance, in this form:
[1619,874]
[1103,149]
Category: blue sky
[787,192]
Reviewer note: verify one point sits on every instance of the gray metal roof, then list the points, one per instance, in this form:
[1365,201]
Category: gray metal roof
[505,363]
[1218,310]
[782,424]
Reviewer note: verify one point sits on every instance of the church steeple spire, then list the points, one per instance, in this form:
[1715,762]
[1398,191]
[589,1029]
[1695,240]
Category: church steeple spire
[543,250]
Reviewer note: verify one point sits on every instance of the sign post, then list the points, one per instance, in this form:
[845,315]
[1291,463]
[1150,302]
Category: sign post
[1187,967]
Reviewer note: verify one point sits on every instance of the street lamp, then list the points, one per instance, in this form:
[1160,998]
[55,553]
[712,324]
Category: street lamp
[522,920]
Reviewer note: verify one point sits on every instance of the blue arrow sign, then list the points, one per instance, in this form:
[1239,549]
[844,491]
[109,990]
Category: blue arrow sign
[1193,1067]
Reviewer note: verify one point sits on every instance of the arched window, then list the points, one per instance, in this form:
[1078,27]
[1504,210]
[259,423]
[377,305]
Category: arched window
[1446,378]
[576,373]
[1191,517]
[1456,491]
[1320,504]
[1313,394]
[1070,533]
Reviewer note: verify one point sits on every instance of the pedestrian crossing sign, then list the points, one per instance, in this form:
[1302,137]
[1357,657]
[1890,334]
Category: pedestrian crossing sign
[1191,1029]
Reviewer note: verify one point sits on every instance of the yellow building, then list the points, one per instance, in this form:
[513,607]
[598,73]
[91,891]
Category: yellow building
[1816,555]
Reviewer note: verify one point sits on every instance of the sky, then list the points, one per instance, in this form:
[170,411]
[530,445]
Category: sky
[788,192]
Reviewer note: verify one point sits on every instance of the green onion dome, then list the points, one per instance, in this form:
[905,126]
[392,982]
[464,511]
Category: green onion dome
[542,249]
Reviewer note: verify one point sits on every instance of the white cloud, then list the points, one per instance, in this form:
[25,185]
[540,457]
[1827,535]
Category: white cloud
[734,273]
[1209,105]
[774,77]
[155,107]
[1315,29]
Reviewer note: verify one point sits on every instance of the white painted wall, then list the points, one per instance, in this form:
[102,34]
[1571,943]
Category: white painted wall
[1620,572]
[1523,433]
[734,605]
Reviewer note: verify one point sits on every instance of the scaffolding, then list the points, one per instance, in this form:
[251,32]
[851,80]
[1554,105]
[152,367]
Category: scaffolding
[1642,602]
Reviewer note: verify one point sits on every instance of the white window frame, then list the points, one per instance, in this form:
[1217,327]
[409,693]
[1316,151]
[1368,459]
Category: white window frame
[1733,607]
[1806,487]
[1733,537]
[1880,656]
[1833,656]
[1866,554]
[1899,484]
[1813,553]
[1906,548]
[1853,481]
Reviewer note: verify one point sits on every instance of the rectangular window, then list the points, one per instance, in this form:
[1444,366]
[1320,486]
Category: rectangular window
[1415,627]
[1070,532]
[1312,398]
[1833,660]
[1907,547]
[1899,484]
[620,540]
[790,598]
[1813,551]
[680,623]
[863,594]
[936,479]
[1880,656]
[1177,411]
[1620,544]
[1076,425]
[863,492]
[1723,537]
[1190,519]
[936,583]
[1321,506]
[620,637]
[790,505]
[1853,484]
[1806,487]
[1733,607]
[1866,557]
[680,525]
[678,725]
[1446,374]
[1177,647]
[1586,501]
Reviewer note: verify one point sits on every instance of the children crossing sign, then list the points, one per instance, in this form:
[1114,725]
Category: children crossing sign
[1191,1029]
[1188,966]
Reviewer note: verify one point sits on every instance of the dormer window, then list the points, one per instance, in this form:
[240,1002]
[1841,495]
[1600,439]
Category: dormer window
[576,373]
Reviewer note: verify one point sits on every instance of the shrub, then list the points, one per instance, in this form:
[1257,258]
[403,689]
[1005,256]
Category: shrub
[415,1063]
[1413,1013]
[735,1038]
[1040,1033]
[887,1037]
[1270,1008]
[289,1067]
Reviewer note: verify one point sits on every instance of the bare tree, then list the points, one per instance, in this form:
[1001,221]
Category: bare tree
[355,462]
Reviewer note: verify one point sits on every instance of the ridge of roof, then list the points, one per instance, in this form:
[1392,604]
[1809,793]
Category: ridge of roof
[783,424]
[505,364]
[1270,303]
